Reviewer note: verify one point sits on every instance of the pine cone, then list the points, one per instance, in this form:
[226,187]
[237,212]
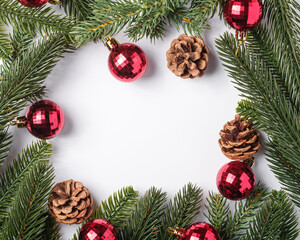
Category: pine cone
[187,57]
[239,140]
[70,202]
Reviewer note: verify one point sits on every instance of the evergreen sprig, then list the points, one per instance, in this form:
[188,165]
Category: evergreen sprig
[5,47]
[218,212]
[80,10]
[194,19]
[183,210]
[118,207]
[145,221]
[244,213]
[143,18]
[25,186]
[275,220]
[29,211]
[22,80]
[274,113]
[264,215]
[30,20]
[15,173]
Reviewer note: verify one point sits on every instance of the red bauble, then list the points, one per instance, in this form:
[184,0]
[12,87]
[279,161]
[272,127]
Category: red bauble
[33,3]
[98,229]
[236,180]
[127,62]
[44,119]
[197,231]
[201,231]
[243,14]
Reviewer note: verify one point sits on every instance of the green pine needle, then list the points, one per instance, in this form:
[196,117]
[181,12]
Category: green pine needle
[31,20]
[15,173]
[273,111]
[145,221]
[144,19]
[81,10]
[277,219]
[5,47]
[218,212]
[28,213]
[245,212]
[118,207]
[183,210]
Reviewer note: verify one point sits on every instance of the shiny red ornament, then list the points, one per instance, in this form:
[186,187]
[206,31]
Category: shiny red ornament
[98,229]
[197,231]
[243,14]
[127,62]
[236,180]
[44,119]
[33,3]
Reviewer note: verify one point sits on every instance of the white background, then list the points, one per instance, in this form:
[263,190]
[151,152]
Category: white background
[158,131]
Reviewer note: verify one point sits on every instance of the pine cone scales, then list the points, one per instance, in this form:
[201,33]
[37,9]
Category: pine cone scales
[239,140]
[187,56]
[70,202]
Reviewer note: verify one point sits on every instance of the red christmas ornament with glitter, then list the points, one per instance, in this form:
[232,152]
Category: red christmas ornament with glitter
[243,14]
[236,180]
[44,119]
[127,62]
[197,231]
[98,229]
[33,3]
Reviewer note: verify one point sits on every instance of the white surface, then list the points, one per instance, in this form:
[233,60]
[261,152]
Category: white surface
[160,130]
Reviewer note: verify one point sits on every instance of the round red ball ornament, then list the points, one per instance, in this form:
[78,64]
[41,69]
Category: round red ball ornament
[197,231]
[127,62]
[98,229]
[243,14]
[33,3]
[44,119]
[236,180]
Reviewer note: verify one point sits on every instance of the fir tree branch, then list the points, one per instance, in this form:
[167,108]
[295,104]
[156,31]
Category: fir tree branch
[263,44]
[19,43]
[29,212]
[283,19]
[194,19]
[183,210]
[15,174]
[79,9]
[146,219]
[30,20]
[244,213]
[287,174]
[5,47]
[51,231]
[277,219]
[143,18]
[275,113]
[118,207]
[22,81]
[218,212]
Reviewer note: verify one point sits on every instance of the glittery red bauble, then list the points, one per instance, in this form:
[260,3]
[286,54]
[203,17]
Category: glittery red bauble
[236,180]
[127,62]
[98,229]
[201,231]
[243,14]
[45,119]
[33,3]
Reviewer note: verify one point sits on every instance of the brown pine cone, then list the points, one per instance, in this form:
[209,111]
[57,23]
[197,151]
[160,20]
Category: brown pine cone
[70,202]
[187,57]
[239,140]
